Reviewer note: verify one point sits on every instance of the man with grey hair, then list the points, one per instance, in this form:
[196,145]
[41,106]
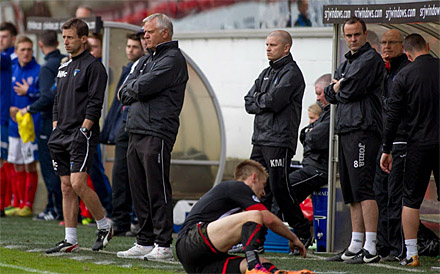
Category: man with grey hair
[154,91]
[388,188]
[276,100]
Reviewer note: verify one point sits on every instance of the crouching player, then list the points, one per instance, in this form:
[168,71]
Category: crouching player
[229,213]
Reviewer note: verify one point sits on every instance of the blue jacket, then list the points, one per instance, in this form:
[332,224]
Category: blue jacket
[47,77]
[30,73]
[5,84]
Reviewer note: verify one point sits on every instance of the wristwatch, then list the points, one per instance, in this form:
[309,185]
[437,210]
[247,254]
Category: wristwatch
[84,130]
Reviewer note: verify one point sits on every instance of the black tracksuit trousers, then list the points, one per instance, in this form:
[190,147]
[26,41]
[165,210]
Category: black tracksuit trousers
[277,160]
[148,159]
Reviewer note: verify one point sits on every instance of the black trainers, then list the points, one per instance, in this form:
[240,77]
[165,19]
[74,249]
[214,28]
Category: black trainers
[363,257]
[104,236]
[63,246]
[341,256]
[413,261]
[390,258]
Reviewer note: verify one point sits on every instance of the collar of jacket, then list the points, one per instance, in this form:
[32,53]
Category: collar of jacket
[55,52]
[29,65]
[358,53]
[281,62]
[398,60]
[163,47]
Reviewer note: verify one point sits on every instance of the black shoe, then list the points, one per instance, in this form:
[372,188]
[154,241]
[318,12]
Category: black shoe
[363,257]
[341,256]
[2,213]
[390,258]
[104,236]
[63,246]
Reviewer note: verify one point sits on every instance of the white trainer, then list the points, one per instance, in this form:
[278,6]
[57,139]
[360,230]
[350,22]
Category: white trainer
[136,252]
[160,254]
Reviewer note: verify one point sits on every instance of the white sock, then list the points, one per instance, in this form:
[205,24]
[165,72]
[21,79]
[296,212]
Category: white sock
[411,248]
[71,236]
[370,242]
[102,224]
[356,242]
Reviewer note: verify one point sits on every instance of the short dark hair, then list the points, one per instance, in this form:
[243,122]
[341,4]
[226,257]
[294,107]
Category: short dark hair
[80,26]
[49,38]
[353,20]
[134,36]
[8,26]
[414,42]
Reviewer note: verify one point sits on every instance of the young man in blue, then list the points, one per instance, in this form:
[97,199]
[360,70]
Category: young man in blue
[8,32]
[24,156]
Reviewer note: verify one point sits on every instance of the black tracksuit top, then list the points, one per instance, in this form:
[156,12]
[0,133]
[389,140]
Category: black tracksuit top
[81,84]
[396,65]
[276,100]
[415,96]
[359,99]
[155,92]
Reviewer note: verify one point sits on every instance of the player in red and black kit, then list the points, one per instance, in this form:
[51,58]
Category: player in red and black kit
[229,213]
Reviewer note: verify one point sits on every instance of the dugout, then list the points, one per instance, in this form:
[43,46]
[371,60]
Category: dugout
[198,157]
[417,17]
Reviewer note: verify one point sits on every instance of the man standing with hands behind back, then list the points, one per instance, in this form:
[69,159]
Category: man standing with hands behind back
[77,107]
[154,92]
[276,100]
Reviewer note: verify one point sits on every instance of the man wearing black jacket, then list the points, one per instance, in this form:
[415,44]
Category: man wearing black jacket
[48,43]
[313,175]
[77,107]
[388,188]
[114,133]
[356,90]
[276,100]
[154,92]
[415,97]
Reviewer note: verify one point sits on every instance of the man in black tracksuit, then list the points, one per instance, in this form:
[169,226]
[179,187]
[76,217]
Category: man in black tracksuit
[154,92]
[48,43]
[415,97]
[77,108]
[313,175]
[114,133]
[356,90]
[388,188]
[276,100]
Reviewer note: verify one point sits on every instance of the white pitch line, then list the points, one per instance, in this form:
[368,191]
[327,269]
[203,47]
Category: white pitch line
[26,269]
[81,258]
[105,262]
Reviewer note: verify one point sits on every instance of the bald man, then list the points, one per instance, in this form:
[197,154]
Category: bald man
[276,99]
[388,188]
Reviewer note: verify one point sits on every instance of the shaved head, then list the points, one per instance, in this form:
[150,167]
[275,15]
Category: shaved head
[394,33]
[284,36]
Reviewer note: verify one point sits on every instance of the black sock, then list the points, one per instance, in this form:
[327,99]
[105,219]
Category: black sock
[270,267]
[250,238]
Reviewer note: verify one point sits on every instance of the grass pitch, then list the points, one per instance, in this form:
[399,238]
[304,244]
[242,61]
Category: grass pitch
[23,242]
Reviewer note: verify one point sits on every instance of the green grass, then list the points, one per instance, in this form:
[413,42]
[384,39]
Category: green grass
[23,241]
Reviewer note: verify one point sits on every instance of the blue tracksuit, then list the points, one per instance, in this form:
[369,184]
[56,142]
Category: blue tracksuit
[30,73]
